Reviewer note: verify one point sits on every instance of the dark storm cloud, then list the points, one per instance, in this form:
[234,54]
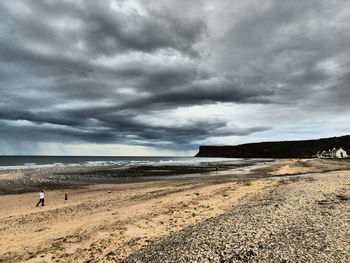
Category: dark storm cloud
[100,29]
[120,129]
[286,41]
[83,71]
[16,115]
[50,133]
[204,92]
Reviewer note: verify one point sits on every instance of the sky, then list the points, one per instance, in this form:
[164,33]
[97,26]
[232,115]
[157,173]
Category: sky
[130,77]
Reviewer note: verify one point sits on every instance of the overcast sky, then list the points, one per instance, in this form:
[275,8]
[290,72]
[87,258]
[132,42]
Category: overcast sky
[163,77]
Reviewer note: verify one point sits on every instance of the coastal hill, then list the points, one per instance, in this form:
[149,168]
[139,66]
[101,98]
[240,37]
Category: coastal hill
[279,149]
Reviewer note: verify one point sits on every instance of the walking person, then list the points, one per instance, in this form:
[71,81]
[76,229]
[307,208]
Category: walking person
[41,198]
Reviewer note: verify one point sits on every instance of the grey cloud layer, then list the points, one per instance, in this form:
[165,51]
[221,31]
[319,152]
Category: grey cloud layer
[83,71]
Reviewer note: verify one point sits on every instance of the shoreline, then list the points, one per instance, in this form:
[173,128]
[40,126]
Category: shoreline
[61,178]
[76,177]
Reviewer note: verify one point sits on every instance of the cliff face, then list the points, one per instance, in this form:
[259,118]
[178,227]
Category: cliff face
[282,149]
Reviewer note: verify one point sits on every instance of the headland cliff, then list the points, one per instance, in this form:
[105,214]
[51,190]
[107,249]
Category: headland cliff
[278,149]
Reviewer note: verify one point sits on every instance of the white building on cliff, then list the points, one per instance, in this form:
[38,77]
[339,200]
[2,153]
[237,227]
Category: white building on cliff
[335,153]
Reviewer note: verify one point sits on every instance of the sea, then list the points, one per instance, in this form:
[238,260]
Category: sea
[23,162]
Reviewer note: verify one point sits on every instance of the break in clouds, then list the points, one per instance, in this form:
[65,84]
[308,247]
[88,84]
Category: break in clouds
[171,75]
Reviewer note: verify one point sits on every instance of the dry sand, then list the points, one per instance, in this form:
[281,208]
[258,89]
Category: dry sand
[98,222]
[93,222]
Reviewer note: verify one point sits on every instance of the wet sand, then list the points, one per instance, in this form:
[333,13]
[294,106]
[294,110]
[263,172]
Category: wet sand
[14,181]
[111,222]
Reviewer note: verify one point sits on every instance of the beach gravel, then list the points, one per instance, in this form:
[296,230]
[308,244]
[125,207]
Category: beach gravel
[299,220]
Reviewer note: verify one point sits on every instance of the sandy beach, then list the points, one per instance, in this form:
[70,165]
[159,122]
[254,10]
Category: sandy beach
[139,221]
